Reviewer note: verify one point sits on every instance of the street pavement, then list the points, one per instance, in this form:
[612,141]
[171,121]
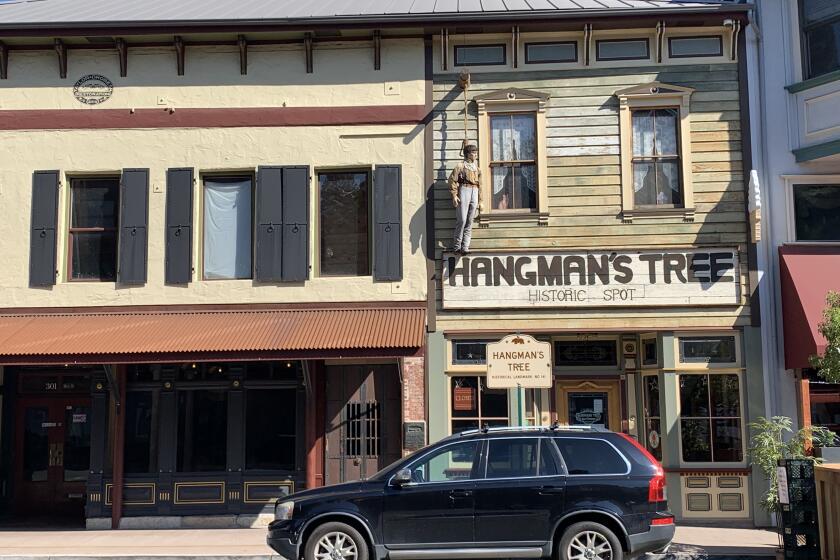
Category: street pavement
[691,543]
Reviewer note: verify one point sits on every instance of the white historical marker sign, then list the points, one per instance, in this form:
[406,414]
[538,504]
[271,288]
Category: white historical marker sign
[668,277]
[519,360]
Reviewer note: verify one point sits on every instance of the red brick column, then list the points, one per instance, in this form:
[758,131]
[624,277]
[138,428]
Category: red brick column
[414,390]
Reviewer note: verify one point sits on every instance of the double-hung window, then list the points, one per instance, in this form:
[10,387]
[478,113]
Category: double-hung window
[656,158]
[94,207]
[820,21]
[513,161]
[655,151]
[512,155]
[228,227]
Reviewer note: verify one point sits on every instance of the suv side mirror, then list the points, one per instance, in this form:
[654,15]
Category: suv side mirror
[403,476]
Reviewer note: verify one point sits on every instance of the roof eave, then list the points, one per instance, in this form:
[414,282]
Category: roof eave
[387,20]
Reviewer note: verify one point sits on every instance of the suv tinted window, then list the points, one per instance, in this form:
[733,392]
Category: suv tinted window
[453,462]
[590,456]
[548,462]
[512,458]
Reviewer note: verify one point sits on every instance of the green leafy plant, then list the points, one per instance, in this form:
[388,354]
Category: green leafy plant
[828,365]
[773,440]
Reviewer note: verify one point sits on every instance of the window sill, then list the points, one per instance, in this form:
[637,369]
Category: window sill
[485,218]
[814,82]
[627,216]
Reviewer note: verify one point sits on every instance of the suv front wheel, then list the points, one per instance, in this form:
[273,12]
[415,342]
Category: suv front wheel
[588,540]
[335,541]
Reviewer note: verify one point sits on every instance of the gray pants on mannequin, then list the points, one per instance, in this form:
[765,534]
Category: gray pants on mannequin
[464,215]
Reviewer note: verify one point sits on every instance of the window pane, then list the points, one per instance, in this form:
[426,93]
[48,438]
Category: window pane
[725,393]
[465,397]
[227,229]
[36,444]
[696,46]
[727,440]
[590,456]
[696,443]
[694,395]
[585,353]
[469,352]
[94,203]
[644,183]
[668,183]
[451,463]
[94,255]
[525,181]
[514,137]
[666,132]
[708,349]
[494,403]
[651,395]
[823,48]
[141,432]
[643,137]
[511,458]
[479,55]
[623,50]
[202,430]
[270,420]
[550,52]
[503,182]
[588,409]
[649,357]
[817,212]
[654,438]
[344,224]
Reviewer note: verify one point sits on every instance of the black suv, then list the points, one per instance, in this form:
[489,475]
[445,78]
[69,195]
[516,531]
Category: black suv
[497,493]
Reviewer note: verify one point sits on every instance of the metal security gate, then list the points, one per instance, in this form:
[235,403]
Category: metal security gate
[363,421]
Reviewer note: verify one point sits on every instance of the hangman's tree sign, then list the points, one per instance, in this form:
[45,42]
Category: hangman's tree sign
[519,360]
[671,277]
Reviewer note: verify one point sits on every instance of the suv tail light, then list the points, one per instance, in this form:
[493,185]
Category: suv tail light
[656,486]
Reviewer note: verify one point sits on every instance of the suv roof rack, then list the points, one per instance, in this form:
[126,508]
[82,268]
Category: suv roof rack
[553,428]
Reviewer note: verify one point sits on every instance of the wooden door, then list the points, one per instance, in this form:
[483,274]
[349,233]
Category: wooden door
[591,402]
[363,421]
[52,458]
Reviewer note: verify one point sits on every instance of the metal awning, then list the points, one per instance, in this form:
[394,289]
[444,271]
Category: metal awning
[172,336]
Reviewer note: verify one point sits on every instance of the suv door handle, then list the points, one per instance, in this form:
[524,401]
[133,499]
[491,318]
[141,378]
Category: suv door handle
[548,490]
[460,494]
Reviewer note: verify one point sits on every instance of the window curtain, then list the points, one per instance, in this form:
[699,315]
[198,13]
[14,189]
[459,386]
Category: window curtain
[227,229]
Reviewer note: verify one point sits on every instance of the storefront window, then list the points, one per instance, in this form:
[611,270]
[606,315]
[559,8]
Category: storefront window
[141,432]
[474,405]
[270,420]
[653,425]
[710,418]
[202,430]
[825,405]
[707,350]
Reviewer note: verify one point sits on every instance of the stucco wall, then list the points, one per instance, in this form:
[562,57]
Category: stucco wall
[276,77]
[343,77]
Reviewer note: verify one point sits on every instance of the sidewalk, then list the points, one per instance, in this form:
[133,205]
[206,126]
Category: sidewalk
[249,544]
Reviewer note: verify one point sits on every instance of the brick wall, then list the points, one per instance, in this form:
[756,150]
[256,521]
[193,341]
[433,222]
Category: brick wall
[414,389]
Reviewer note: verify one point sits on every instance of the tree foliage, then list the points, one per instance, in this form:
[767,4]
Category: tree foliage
[828,365]
[773,440]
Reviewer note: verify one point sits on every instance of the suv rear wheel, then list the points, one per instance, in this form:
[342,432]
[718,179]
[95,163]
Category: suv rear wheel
[588,540]
[335,541]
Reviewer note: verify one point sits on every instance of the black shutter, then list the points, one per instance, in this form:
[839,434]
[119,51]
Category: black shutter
[387,219]
[179,207]
[295,224]
[269,234]
[133,232]
[43,233]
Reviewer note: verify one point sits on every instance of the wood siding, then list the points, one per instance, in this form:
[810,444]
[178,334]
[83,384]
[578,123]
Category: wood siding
[584,186]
